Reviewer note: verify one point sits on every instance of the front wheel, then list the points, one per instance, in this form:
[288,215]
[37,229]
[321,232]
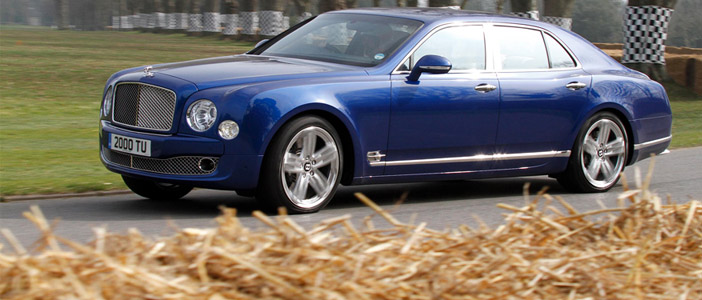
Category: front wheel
[160,191]
[599,155]
[302,167]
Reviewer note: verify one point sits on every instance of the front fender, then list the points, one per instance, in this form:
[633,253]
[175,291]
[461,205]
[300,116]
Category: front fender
[362,107]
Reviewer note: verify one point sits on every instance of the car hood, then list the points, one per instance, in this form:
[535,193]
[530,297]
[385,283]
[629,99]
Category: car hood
[247,69]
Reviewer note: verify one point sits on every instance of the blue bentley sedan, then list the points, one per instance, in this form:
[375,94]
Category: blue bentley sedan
[378,96]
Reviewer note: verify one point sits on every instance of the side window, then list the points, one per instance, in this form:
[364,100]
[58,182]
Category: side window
[559,56]
[520,48]
[464,46]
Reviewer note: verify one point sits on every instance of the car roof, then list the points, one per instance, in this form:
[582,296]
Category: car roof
[591,57]
[433,14]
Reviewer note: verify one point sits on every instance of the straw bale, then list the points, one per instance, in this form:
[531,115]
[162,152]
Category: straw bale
[543,250]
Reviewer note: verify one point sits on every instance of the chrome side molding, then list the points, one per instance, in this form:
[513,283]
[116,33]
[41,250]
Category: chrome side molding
[653,142]
[473,158]
[374,157]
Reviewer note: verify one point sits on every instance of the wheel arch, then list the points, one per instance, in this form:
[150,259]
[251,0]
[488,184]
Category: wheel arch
[342,125]
[623,116]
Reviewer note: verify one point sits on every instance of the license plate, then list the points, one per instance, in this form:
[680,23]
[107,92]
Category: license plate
[130,145]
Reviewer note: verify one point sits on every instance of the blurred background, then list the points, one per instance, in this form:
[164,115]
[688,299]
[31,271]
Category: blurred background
[596,20]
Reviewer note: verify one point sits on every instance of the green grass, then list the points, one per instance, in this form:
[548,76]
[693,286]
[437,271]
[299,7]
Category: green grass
[687,116]
[50,92]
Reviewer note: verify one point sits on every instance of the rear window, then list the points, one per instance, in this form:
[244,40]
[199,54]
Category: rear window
[558,56]
[520,49]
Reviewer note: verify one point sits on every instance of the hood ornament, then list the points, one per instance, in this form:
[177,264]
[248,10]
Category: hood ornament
[147,71]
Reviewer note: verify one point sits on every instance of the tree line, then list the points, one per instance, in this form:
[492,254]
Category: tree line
[643,25]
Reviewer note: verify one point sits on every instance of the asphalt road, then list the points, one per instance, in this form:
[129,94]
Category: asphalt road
[440,204]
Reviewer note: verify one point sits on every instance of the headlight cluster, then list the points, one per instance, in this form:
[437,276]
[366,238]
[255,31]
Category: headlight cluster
[228,129]
[201,115]
[107,102]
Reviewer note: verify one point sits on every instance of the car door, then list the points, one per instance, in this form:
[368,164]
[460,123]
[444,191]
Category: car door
[542,91]
[444,122]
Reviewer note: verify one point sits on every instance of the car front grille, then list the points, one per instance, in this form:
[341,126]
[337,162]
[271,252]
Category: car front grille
[181,165]
[144,106]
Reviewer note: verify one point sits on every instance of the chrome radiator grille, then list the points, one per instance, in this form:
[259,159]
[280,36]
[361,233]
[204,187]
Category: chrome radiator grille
[181,165]
[144,106]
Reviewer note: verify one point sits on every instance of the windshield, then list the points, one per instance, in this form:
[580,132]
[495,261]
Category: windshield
[361,40]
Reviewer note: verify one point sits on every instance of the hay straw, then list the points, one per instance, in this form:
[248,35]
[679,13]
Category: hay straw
[644,250]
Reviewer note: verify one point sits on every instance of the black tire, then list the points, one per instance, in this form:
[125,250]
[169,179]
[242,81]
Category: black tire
[302,167]
[598,156]
[246,193]
[156,190]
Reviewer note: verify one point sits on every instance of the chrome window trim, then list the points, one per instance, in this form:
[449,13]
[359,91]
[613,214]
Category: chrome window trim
[488,58]
[114,94]
[652,142]
[474,158]
[492,41]
[490,48]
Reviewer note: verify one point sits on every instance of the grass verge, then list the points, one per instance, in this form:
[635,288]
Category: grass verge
[50,92]
[687,116]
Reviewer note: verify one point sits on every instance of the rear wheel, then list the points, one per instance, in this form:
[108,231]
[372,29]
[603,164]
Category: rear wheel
[301,169]
[156,190]
[599,155]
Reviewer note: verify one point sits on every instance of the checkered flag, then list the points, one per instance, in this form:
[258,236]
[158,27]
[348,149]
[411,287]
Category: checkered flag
[150,21]
[170,21]
[231,24]
[646,29]
[126,22]
[195,23]
[211,22]
[249,22]
[532,14]
[271,22]
[140,20]
[565,23]
[181,21]
[161,20]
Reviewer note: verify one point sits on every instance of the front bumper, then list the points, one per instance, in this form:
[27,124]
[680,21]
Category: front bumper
[176,158]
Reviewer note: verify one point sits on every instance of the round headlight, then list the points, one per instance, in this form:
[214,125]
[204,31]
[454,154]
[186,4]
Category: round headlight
[228,129]
[107,102]
[201,115]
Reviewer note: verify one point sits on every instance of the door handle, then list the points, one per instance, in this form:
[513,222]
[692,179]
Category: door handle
[484,88]
[575,85]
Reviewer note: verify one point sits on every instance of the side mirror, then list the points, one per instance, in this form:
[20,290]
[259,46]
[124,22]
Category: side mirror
[263,41]
[434,64]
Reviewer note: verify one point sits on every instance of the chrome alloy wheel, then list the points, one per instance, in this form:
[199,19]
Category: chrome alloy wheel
[310,167]
[603,153]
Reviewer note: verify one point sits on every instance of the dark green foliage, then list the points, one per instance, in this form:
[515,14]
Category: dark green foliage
[558,8]
[684,29]
[523,5]
[599,20]
[442,3]
[663,3]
